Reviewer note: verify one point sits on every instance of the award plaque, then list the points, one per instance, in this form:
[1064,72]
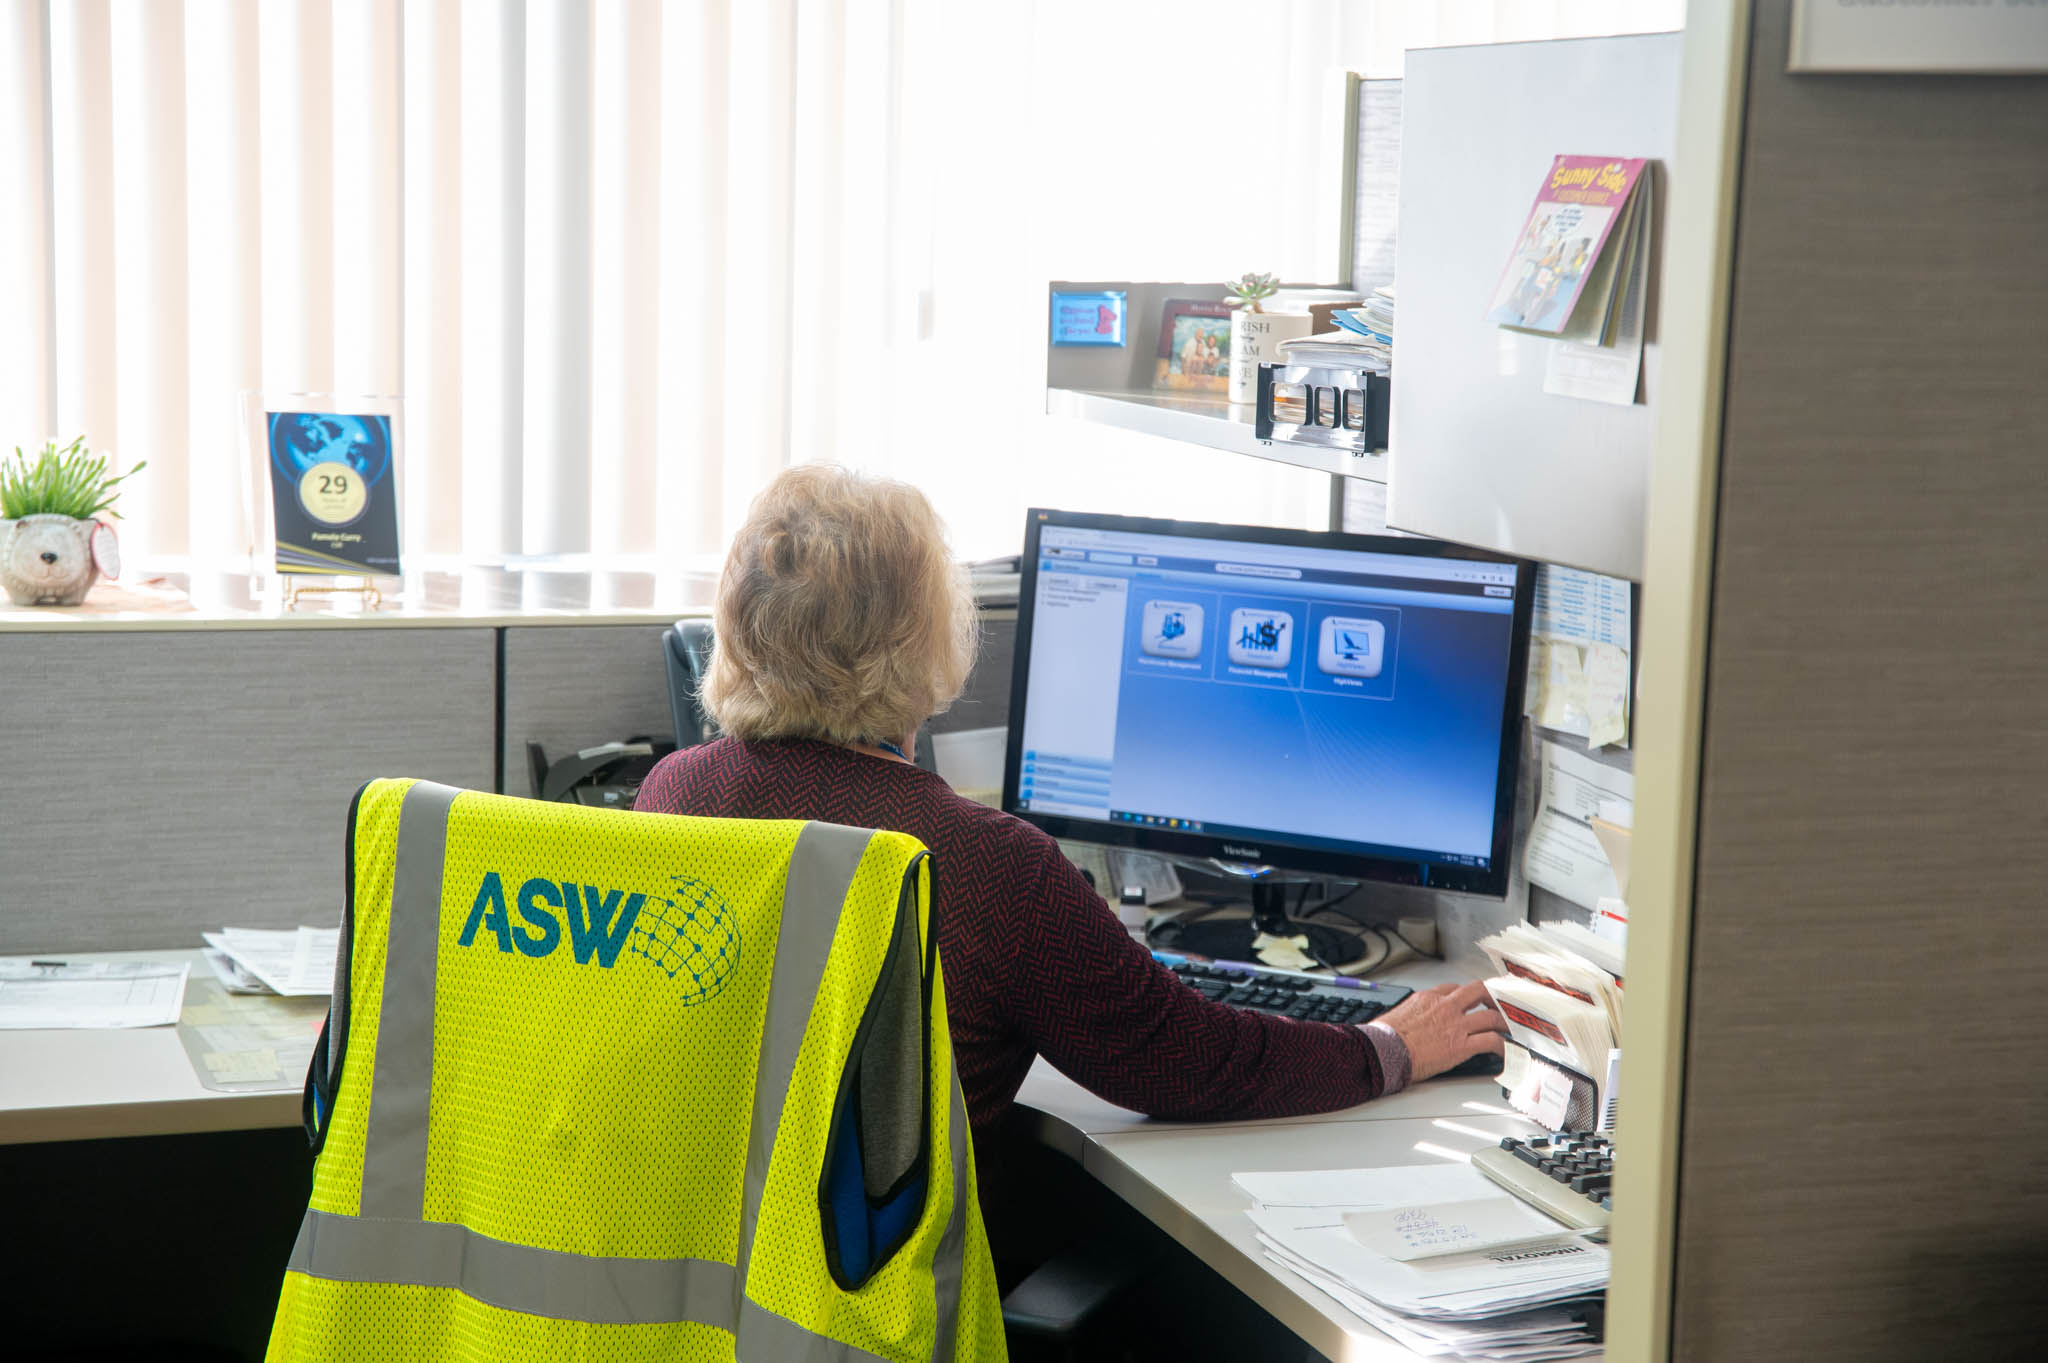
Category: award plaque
[322,484]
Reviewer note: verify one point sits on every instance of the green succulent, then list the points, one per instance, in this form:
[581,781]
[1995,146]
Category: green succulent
[1246,291]
[71,482]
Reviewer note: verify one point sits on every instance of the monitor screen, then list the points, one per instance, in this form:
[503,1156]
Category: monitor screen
[1345,704]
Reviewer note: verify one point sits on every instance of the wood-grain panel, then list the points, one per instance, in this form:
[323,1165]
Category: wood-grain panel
[160,784]
[1861,1175]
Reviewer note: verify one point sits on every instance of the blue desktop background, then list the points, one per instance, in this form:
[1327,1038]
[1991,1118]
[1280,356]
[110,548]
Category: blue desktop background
[1407,760]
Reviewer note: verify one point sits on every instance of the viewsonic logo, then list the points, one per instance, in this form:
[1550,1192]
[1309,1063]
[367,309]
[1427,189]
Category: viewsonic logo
[1236,851]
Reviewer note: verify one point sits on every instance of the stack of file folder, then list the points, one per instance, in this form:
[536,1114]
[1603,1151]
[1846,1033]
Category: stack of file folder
[1438,1258]
[291,962]
[1563,1010]
[1364,338]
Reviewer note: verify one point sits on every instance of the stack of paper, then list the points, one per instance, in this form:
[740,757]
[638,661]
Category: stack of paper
[1603,952]
[1438,1257]
[42,994]
[283,961]
[1551,957]
[1375,319]
[1563,1012]
[1364,338]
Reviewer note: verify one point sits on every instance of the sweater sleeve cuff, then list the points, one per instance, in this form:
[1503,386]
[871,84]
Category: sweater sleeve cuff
[1393,1056]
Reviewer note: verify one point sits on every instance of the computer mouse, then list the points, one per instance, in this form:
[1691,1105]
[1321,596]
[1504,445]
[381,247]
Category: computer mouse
[1481,1066]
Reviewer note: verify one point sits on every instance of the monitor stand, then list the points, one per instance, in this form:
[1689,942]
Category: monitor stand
[1230,939]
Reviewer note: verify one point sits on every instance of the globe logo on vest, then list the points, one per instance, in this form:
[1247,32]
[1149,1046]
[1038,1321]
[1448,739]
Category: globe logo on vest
[691,934]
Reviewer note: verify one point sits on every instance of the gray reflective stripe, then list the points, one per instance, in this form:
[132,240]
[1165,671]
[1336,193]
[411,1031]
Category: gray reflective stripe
[395,1142]
[948,1261]
[821,869]
[538,1282]
[765,1335]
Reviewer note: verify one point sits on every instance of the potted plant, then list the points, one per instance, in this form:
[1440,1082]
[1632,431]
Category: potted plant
[1255,334]
[53,544]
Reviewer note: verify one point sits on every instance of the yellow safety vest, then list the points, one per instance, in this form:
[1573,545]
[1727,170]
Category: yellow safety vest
[603,1085]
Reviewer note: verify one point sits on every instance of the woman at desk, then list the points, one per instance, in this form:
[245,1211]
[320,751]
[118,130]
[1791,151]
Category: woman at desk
[842,623]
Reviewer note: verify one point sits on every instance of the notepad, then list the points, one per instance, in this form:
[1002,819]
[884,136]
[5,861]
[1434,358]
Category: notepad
[1408,1233]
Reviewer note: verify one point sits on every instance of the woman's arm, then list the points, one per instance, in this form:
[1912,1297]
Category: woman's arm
[1093,1002]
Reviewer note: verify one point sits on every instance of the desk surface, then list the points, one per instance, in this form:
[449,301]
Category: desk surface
[85,1085]
[1178,1176]
[131,1081]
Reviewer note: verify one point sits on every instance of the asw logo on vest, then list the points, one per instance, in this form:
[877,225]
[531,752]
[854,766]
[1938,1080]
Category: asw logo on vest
[692,936]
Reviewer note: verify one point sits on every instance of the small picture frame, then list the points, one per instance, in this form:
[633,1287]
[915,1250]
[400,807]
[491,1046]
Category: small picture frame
[1091,319]
[1194,346]
[321,484]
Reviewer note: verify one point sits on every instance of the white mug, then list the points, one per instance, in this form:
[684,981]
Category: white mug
[1255,339]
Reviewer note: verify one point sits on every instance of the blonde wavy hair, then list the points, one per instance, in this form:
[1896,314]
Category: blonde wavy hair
[840,614]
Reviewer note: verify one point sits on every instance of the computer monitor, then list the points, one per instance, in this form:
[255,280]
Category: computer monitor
[1346,705]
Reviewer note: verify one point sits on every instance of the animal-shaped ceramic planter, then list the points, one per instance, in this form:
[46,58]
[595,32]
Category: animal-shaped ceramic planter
[50,560]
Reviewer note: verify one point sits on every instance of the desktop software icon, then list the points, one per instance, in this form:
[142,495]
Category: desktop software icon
[1261,638]
[1351,647]
[1173,629]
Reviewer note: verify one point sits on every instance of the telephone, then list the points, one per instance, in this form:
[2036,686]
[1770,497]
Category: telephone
[608,775]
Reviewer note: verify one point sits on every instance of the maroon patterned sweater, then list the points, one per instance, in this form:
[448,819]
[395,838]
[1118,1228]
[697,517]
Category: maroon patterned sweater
[1035,963]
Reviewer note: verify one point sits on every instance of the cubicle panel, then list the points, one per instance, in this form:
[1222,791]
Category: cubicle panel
[1478,452]
[985,703]
[163,783]
[569,687]
[1861,1174]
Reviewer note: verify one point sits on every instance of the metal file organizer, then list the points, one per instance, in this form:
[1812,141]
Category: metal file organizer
[1331,406]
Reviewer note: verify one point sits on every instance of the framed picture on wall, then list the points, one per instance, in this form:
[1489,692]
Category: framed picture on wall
[1194,345]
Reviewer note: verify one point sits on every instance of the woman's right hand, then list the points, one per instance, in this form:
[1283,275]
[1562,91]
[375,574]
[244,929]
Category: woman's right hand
[1446,1026]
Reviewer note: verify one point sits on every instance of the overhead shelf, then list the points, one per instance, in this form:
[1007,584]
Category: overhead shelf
[1203,420]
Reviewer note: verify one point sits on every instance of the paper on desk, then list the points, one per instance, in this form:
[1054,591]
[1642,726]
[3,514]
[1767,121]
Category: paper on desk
[230,973]
[1366,1189]
[1520,1337]
[90,994]
[289,961]
[1498,1221]
[1563,855]
[240,1043]
[1465,1286]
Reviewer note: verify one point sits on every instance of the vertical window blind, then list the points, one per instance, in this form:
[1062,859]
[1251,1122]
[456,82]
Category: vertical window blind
[623,259]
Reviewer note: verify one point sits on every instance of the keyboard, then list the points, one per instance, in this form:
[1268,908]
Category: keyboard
[1568,1174]
[1286,994]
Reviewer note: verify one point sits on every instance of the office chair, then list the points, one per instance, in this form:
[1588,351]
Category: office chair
[633,1006]
[686,653]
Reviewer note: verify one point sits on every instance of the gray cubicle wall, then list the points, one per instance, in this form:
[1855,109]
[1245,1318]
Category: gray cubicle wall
[162,783]
[1861,1174]
[569,687]
[985,703]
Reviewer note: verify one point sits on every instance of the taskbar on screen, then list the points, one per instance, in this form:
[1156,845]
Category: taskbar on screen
[1303,842]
